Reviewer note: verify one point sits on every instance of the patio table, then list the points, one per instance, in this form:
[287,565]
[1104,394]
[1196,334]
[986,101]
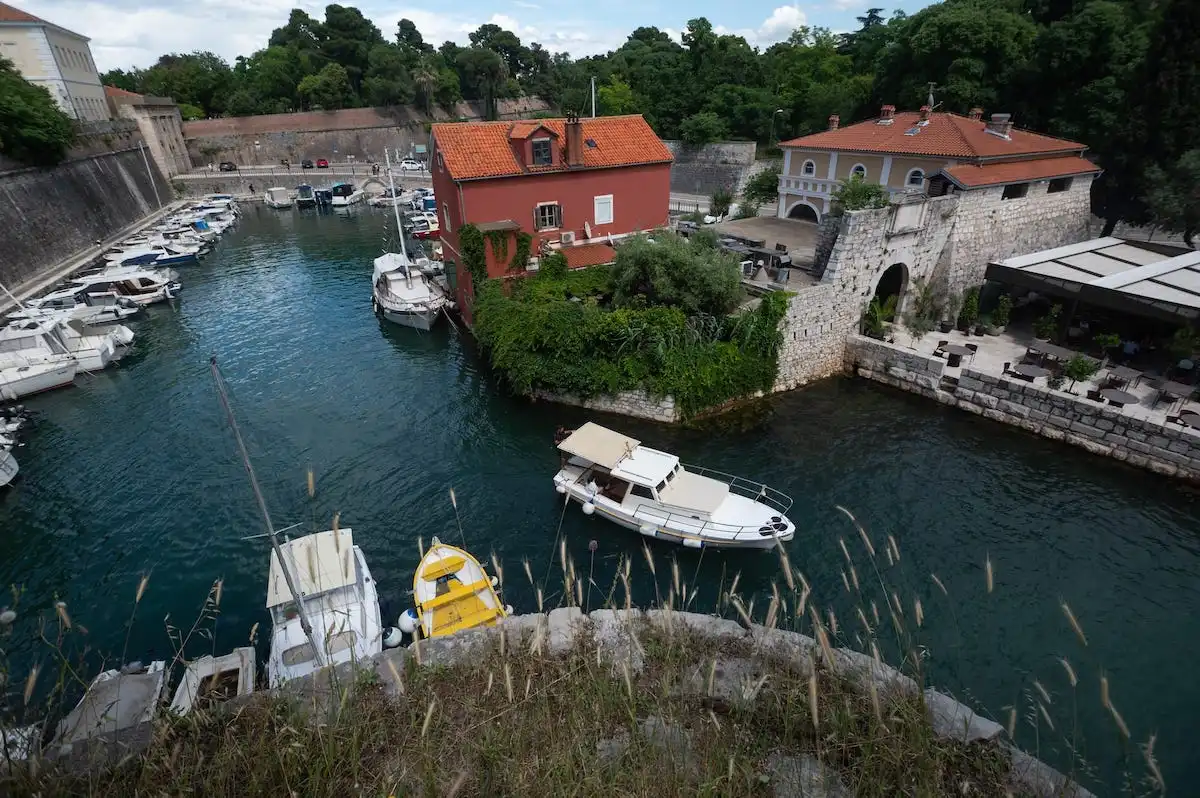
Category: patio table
[1126,374]
[1029,370]
[956,353]
[1119,398]
[1190,420]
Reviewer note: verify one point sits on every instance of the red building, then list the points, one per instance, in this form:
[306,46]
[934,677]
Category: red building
[572,184]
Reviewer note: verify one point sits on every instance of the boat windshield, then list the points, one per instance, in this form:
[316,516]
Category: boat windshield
[298,655]
[668,479]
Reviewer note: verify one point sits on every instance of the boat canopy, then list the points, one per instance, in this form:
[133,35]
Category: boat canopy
[320,562]
[599,445]
[646,466]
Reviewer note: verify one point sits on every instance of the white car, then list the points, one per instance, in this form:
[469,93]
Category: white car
[411,165]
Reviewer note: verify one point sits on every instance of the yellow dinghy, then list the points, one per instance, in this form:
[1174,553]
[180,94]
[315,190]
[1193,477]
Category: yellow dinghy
[453,592]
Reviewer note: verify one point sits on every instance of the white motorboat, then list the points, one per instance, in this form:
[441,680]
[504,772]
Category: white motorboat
[19,379]
[32,341]
[115,700]
[138,285]
[338,597]
[650,491]
[153,256]
[212,679]
[8,468]
[390,198]
[346,194]
[305,197]
[278,197]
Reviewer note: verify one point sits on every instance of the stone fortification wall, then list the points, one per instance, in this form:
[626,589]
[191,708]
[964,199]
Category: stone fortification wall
[702,171]
[629,403]
[1163,448]
[49,215]
[990,228]
[360,132]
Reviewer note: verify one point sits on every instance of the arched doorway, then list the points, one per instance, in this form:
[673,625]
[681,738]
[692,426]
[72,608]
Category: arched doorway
[887,301]
[804,212]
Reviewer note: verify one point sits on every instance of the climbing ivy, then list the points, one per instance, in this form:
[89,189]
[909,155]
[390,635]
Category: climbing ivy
[499,241]
[559,333]
[520,261]
[473,254]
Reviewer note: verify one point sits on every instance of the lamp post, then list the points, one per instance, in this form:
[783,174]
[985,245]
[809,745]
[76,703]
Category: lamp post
[771,139]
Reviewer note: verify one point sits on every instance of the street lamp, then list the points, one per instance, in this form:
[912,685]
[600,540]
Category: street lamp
[771,140]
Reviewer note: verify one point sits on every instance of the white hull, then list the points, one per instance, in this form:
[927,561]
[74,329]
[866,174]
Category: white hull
[8,468]
[279,203]
[351,199]
[19,381]
[418,319]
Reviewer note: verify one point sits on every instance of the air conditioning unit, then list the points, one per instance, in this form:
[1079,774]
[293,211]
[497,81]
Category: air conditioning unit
[568,238]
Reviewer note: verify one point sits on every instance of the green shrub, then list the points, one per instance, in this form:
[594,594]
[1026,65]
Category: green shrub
[857,194]
[1000,316]
[691,274]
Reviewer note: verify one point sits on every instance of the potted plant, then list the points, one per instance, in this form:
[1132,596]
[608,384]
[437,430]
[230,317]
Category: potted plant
[1106,341]
[949,313]
[876,317]
[1080,369]
[985,321]
[1045,327]
[1001,315]
[969,315]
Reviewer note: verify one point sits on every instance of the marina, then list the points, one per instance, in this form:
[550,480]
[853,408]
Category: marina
[133,473]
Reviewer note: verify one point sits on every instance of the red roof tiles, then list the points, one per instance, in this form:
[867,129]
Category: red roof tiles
[523,130]
[948,135]
[113,91]
[997,174]
[476,150]
[584,255]
[10,14]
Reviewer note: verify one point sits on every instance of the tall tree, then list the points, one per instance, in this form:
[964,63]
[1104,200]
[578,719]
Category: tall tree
[328,90]
[33,129]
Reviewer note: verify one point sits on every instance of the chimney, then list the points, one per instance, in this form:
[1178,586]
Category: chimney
[925,111]
[834,121]
[975,115]
[574,131]
[1000,125]
[887,114]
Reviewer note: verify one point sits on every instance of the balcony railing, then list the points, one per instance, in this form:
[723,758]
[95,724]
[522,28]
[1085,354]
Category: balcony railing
[808,185]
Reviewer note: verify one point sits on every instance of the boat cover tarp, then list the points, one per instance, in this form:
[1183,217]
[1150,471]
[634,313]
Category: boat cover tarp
[694,492]
[598,445]
[319,562]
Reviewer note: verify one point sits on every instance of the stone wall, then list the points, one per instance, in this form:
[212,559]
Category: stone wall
[360,132]
[702,171]
[990,228]
[49,215]
[629,403]
[1162,448]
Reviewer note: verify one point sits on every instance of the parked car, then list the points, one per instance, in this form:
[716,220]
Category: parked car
[227,166]
[322,163]
[306,164]
[411,165]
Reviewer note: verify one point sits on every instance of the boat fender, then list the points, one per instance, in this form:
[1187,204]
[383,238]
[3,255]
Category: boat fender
[689,543]
[560,489]
[508,610]
[589,508]
[646,530]
[495,581]
[408,621]
[374,305]
[392,637]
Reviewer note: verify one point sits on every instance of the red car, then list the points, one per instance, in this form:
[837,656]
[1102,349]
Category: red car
[322,163]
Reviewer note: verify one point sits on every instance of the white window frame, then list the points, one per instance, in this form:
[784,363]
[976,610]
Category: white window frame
[597,203]
[533,150]
[857,167]
[537,216]
[446,217]
[908,178]
[809,168]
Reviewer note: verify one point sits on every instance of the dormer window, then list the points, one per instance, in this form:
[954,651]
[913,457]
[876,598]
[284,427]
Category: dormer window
[542,153]
[809,169]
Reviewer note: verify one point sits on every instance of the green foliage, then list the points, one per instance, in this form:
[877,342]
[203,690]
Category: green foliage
[719,202]
[1003,311]
[328,90]
[926,306]
[1184,343]
[474,253]
[557,332]
[1106,341]
[190,112]
[703,128]
[1080,369]
[747,209]
[877,315]
[499,241]
[32,128]
[857,194]
[1174,196]
[616,97]
[969,314]
[1047,325]
[520,261]
[763,187]
[669,270]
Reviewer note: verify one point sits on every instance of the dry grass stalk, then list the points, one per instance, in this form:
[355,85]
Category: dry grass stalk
[649,559]
[875,653]
[528,570]
[866,539]
[833,624]
[141,589]
[1156,777]
[862,617]
[941,587]
[508,687]
[1070,671]
[1120,721]
[1012,722]
[1042,691]
[396,677]
[895,548]
[740,609]
[854,579]
[64,618]
[312,484]
[918,612]
[845,552]
[875,700]
[1074,622]
[457,785]
[845,580]
[30,683]
[428,717]
[1104,699]
[875,612]
[991,576]
[812,699]
[1045,715]
[896,602]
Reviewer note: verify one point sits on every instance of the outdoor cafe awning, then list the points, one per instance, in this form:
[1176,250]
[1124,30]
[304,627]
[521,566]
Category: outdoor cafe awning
[1155,280]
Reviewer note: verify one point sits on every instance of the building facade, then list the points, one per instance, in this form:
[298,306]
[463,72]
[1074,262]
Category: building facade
[928,153]
[573,185]
[56,59]
[160,123]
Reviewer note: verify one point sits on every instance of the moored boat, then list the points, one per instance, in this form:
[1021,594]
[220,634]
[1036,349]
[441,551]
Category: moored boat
[343,194]
[651,491]
[20,379]
[452,593]
[305,197]
[115,700]
[8,468]
[278,197]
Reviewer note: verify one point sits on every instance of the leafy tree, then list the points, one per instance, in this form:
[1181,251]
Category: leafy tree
[616,97]
[328,90]
[1079,369]
[202,79]
[763,187]
[388,80]
[33,129]
[857,194]
[719,202]
[483,74]
[119,78]
[676,272]
[1174,196]
[702,128]
[190,112]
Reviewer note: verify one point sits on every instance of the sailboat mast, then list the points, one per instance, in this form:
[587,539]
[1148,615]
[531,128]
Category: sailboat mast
[266,516]
[396,210]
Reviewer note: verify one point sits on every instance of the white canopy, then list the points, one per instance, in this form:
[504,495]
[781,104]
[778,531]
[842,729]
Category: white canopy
[599,445]
[319,563]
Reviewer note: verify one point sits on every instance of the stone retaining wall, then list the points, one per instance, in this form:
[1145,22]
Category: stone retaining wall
[1162,448]
[638,404]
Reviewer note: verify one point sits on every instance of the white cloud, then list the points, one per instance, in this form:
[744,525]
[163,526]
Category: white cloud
[524,4]
[125,33]
[775,28]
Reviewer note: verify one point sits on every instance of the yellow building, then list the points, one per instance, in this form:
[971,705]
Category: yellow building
[927,152]
[56,59]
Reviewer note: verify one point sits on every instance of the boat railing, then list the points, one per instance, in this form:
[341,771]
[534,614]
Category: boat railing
[756,491]
[687,524]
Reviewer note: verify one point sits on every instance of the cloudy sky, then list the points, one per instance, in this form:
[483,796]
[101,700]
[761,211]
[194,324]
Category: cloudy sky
[133,33]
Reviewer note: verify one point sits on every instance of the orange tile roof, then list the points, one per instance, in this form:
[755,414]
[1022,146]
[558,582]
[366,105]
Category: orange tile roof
[523,130]
[477,150]
[948,135]
[113,91]
[583,255]
[10,14]
[996,174]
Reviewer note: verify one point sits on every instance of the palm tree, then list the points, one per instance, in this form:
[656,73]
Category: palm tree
[426,79]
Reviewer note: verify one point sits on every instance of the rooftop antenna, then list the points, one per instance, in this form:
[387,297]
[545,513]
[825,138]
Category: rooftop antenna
[932,86]
[266,516]
[399,227]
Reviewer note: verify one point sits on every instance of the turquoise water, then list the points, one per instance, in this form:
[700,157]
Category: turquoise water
[134,472]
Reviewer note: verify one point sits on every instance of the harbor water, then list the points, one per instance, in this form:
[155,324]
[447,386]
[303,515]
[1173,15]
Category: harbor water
[134,471]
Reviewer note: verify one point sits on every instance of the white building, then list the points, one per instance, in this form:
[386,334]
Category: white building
[55,58]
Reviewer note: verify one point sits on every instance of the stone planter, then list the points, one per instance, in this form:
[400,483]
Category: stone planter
[993,329]
[945,326]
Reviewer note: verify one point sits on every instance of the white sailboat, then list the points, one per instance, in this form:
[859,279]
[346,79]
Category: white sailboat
[400,290]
